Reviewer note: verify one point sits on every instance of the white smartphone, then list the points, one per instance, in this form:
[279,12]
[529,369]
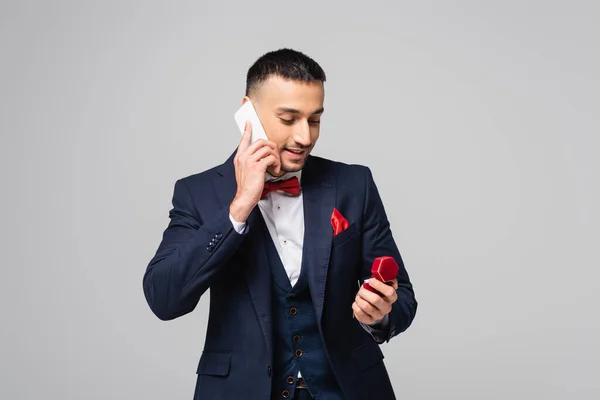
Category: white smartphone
[248,113]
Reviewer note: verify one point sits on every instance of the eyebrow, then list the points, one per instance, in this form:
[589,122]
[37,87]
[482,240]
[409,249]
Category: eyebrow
[294,111]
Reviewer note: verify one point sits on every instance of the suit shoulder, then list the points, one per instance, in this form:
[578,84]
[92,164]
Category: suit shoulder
[200,178]
[342,169]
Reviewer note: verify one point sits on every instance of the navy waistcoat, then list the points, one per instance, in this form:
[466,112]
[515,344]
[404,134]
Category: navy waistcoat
[298,343]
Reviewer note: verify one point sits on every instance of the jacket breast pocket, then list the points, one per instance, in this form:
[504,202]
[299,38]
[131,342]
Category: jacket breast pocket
[344,236]
[212,363]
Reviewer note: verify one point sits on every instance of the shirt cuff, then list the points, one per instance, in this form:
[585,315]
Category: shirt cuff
[240,227]
[382,324]
[378,330]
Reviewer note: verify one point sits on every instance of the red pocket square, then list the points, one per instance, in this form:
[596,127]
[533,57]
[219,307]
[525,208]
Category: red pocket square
[338,222]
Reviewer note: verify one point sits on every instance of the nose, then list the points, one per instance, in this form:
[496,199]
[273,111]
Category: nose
[302,134]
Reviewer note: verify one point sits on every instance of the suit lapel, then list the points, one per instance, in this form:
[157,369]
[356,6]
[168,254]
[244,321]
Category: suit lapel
[318,191]
[256,270]
[258,275]
[225,185]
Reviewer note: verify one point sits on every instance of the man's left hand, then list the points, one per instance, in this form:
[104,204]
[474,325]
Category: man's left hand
[370,307]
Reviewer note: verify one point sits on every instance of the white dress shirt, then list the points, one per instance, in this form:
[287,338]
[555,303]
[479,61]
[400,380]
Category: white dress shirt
[284,216]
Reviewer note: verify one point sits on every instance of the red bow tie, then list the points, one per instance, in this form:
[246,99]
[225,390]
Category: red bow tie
[291,186]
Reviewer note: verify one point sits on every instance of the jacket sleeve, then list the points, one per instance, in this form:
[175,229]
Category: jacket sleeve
[378,241]
[379,329]
[192,253]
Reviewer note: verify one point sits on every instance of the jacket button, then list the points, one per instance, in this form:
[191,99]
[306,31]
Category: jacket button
[285,394]
[269,371]
[219,235]
[298,353]
[209,248]
[296,339]
[293,311]
[290,380]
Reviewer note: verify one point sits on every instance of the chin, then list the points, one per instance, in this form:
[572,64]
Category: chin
[292,166]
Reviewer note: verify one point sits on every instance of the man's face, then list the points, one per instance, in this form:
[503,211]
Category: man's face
[290,112]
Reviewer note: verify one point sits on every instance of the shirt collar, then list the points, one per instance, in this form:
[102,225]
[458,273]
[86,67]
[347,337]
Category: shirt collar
[287,175]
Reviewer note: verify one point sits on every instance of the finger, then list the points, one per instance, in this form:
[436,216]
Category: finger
[374,299]
[361,315]
[259,144]
[373,313]
[276,164]
[261,153]
[268,161]
[264,153]
[395,284]
[246,137]
[367,307]
[386,290]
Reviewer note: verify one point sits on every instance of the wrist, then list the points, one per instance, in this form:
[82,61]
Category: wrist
[240,209]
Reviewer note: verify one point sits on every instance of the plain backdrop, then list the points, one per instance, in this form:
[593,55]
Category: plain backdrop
[480,121]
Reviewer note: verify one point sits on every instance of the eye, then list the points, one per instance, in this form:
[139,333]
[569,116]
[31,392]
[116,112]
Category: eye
[317,122]
[287,121]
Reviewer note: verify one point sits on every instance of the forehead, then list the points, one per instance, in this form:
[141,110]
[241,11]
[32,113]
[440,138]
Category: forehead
[277,90]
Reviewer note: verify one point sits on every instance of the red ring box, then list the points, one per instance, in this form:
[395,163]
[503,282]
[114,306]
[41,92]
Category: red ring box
[384,269]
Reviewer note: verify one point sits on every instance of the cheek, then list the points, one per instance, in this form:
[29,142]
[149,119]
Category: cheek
[275,133]
[314,134]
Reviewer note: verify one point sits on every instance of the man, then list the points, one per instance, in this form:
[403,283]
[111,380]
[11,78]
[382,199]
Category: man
[283,239]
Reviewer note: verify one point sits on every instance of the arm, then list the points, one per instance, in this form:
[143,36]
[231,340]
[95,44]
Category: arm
[194,250]
[186,264]
[378,241]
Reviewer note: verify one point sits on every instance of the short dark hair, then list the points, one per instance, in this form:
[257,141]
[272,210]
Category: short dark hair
[286,63]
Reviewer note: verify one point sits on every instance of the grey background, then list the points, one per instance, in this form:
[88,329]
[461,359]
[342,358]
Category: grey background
[478,119]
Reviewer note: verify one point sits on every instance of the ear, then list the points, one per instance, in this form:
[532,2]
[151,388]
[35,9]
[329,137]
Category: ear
[245,99]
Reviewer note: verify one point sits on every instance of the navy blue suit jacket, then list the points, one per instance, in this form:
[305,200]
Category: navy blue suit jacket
[238,352]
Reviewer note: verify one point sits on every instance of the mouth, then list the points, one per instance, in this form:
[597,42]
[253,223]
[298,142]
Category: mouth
[295,154]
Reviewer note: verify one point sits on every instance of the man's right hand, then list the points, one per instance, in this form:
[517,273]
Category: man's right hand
[251,162]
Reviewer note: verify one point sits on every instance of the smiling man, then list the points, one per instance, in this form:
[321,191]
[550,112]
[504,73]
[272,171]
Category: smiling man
[284,240]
